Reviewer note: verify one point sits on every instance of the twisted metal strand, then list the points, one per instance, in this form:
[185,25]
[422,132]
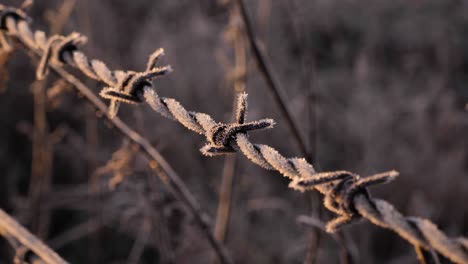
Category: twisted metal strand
[345,193]
[15,13]
[129,87]
[221,137]
[55,48]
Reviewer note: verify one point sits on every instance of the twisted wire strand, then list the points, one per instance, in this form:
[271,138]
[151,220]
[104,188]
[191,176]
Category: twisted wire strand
[346,194]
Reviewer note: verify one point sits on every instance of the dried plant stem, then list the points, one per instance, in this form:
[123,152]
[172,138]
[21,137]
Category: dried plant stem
[307,78]
[345,193]
[225,198]
[314,234]
[75,233]
[345,255]
[92,144]
[420,254]
[10,228]
[140,242]
[278,93]
[5,53]
[426,256]
[162,168]
[58,19]
[92,136]
[272,82]
[42,146]
[264,14]
[42,162]
[229,170]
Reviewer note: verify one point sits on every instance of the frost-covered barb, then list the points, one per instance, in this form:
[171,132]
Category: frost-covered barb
[346,193]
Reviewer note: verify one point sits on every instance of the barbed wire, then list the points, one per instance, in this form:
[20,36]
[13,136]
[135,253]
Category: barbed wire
[345,194]
[156,161]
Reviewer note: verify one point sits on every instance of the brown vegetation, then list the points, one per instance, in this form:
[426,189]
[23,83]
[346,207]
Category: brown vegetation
[122,193]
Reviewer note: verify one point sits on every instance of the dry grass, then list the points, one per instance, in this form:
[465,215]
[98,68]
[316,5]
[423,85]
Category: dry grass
[345,193]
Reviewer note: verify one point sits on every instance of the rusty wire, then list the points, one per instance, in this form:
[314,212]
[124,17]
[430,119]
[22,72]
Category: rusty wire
[346,193]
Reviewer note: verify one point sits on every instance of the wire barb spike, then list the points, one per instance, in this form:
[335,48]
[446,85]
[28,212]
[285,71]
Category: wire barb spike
[345,193]
[222,137]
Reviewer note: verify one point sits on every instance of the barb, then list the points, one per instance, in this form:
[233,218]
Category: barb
[17,27]
[232,36]
[221,136]
[54,50]
[346,193]
[272,83]
[129,87]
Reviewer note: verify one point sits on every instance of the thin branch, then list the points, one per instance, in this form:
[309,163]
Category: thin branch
[58,19]
[140,242]
[345,193]
[279,95]
[75,233]
[225,198]
[42,145]
[9,227]
[345,255]
[234,35]
[42,162]
[156,161]
[272,82]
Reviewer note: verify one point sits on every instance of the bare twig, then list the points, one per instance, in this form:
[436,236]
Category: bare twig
[75,233]
[42,145]
[272,82]
[264,14]
[140,242]
[234,36]
[225,198]
[162,168]
[42,161]
[5,52]
[279,95]
[346,193]
[167,174]
[58,19]
[9,227]
[345,256]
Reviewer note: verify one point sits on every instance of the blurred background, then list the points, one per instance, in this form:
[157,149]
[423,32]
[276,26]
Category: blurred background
[375,85]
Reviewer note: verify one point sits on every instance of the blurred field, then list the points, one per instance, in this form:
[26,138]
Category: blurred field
[375,85]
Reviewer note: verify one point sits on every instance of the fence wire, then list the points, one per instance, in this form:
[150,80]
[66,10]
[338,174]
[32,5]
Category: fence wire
[345,193]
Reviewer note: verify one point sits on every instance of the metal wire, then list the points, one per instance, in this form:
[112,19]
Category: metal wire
[346,193]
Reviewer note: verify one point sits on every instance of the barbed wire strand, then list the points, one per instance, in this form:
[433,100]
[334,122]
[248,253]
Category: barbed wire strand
[345,193]
[278,92]
[272,83]
[14,22]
